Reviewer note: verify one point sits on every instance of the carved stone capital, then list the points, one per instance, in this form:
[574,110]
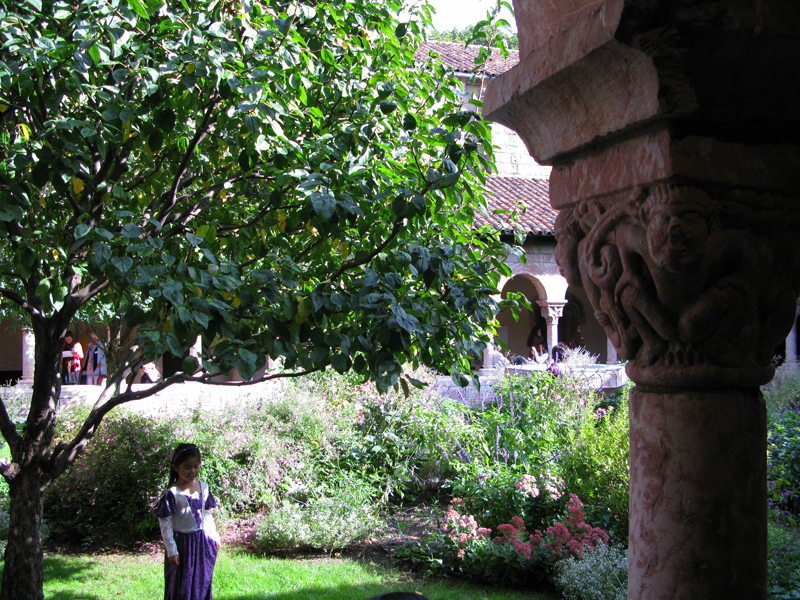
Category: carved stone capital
[551,311]
[693,290]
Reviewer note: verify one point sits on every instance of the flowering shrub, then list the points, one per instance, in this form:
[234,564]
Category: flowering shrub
[596,466]
[783,469]
[105,497]
[514,555]
[461,529]
[574,536]
[497,496]
[599,574]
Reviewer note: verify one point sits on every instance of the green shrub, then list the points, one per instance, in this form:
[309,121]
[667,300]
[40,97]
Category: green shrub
[531,420]
[335,513]
[106,496]
[784,390]
[498,496]
[516,553]
[16,403]
[600,574]
[783,466]
[783,557]
[596,467]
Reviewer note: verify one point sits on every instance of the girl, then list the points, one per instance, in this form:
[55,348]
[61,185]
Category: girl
[187,528]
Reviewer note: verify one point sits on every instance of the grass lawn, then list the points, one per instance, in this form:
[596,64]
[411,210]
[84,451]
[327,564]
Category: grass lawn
[240,576]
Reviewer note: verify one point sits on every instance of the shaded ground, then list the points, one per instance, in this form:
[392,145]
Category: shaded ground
[400,525]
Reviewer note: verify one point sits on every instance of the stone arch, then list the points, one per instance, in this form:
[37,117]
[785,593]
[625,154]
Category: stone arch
[543,292]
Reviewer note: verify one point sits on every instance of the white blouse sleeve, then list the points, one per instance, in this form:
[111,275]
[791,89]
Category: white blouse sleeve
[167,535]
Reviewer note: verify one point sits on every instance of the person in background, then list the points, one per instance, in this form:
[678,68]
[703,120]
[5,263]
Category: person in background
[95,364]
[71,357]
[536,344]
[560,352]
[576,340]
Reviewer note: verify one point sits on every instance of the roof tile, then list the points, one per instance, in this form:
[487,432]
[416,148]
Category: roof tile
[461,58]
[506,193]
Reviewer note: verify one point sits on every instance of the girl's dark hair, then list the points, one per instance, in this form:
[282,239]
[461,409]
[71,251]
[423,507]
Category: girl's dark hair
[182,453]
[69,334]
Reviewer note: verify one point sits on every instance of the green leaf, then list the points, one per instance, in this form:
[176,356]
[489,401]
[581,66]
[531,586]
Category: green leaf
[122,263]
[139,8]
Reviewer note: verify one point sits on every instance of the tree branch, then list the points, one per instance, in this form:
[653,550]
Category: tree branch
[357,263]
[7,427]
[24,304]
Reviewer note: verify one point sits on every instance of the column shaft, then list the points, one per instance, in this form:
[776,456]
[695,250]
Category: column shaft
[698,495]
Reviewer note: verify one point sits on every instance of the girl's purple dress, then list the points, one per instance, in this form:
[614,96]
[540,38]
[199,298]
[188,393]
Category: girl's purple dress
[188,529]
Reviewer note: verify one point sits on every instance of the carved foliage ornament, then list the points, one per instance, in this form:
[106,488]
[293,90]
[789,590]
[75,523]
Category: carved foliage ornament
[693,291]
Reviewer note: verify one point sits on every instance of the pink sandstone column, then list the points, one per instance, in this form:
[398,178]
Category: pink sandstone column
[672,131]
[698,494]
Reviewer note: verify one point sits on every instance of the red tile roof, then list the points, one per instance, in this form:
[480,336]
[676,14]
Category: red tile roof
[538,217]
[505,193]
[461,58]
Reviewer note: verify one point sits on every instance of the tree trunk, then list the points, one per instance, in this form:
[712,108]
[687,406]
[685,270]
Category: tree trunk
[29,472]
[23,572]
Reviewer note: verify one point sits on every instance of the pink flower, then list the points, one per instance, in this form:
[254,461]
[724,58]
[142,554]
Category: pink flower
[522,549]
[518,523]
[508,531]
[575,548]
[536,539]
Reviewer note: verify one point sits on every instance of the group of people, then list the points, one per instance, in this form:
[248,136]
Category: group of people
[74,362]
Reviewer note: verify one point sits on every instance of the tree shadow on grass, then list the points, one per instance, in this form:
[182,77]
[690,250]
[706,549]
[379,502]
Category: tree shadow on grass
[317,593]
[67,570]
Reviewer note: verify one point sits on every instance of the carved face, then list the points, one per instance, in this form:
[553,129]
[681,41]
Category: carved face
[676,236]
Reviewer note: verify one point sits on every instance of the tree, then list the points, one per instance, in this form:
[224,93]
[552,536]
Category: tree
[493,31]
[278,177]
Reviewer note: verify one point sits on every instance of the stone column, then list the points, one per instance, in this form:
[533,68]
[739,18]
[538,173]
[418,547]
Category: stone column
[671,133]
[791,345]
[28,356]
[552,312]
[611,353]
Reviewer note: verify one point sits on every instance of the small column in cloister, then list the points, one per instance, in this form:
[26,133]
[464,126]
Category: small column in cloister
[791,345]
[671,128]
[552,312]
[28,357]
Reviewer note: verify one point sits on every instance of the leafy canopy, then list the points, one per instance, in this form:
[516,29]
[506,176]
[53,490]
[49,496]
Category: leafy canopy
[283,178]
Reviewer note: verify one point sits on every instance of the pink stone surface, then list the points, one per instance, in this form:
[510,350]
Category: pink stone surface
[765,166]
[698,495]
[557,108]
[657,157]
[633,162]
[568,24]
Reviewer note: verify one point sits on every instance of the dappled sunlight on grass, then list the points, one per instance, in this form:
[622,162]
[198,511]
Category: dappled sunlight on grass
[240,576]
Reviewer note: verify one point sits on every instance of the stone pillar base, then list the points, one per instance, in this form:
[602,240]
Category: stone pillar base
[698,495]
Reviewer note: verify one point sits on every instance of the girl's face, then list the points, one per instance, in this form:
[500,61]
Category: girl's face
[187,471]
